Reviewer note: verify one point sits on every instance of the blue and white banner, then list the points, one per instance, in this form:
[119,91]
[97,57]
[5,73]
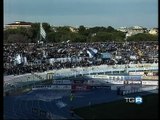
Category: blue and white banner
[91,52]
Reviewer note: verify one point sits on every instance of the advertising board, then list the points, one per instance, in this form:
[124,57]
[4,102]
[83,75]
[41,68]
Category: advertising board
[80,87]
[150,77]
[133,77]
[61,87]
[149,82]
[134,82]
[52,87]
[136,73]
[114,81]
[61,82]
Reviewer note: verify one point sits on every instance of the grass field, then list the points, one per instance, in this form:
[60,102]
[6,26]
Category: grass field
[122,110]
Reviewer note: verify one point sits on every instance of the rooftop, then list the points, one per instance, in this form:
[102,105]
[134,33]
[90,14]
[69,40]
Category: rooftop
[20,23]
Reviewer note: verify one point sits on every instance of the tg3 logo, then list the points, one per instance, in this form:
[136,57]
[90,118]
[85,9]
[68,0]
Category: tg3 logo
[137,100]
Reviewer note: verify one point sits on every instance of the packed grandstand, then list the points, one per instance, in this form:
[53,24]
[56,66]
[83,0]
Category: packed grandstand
[66,75]
[22,58]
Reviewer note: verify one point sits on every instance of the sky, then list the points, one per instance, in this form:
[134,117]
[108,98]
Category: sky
[90,13]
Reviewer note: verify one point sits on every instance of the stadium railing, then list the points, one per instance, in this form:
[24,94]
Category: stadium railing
[77,71]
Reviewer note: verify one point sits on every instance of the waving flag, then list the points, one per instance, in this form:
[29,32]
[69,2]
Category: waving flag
[91,52]
[42,31]
[94,50]
[18,59]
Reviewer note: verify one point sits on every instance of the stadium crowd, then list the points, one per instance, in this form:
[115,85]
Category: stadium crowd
[33,57]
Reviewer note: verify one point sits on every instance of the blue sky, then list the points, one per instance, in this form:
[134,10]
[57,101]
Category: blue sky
[89,13]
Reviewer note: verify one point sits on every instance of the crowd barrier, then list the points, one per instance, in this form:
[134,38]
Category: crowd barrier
[135,90]
[61,73]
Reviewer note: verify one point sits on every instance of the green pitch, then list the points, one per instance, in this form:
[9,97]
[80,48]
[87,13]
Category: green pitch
[122,110]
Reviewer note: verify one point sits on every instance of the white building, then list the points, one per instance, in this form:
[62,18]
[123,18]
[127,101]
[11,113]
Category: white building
[18,24]
[135,30]
[132,30]
[123,29]
[153,31]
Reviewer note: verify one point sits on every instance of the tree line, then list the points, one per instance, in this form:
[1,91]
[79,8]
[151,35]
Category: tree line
[63,33]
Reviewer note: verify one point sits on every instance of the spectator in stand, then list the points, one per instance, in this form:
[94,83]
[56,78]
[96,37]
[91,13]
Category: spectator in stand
[32,57]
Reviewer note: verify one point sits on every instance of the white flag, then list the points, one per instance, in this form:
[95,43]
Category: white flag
[42,31]
[90,55]
[18,59]
[91,52]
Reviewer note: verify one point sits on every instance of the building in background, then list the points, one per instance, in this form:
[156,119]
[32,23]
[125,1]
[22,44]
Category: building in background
[123,29]
[132,30]
[18,24]
[153,31]
[135,30]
